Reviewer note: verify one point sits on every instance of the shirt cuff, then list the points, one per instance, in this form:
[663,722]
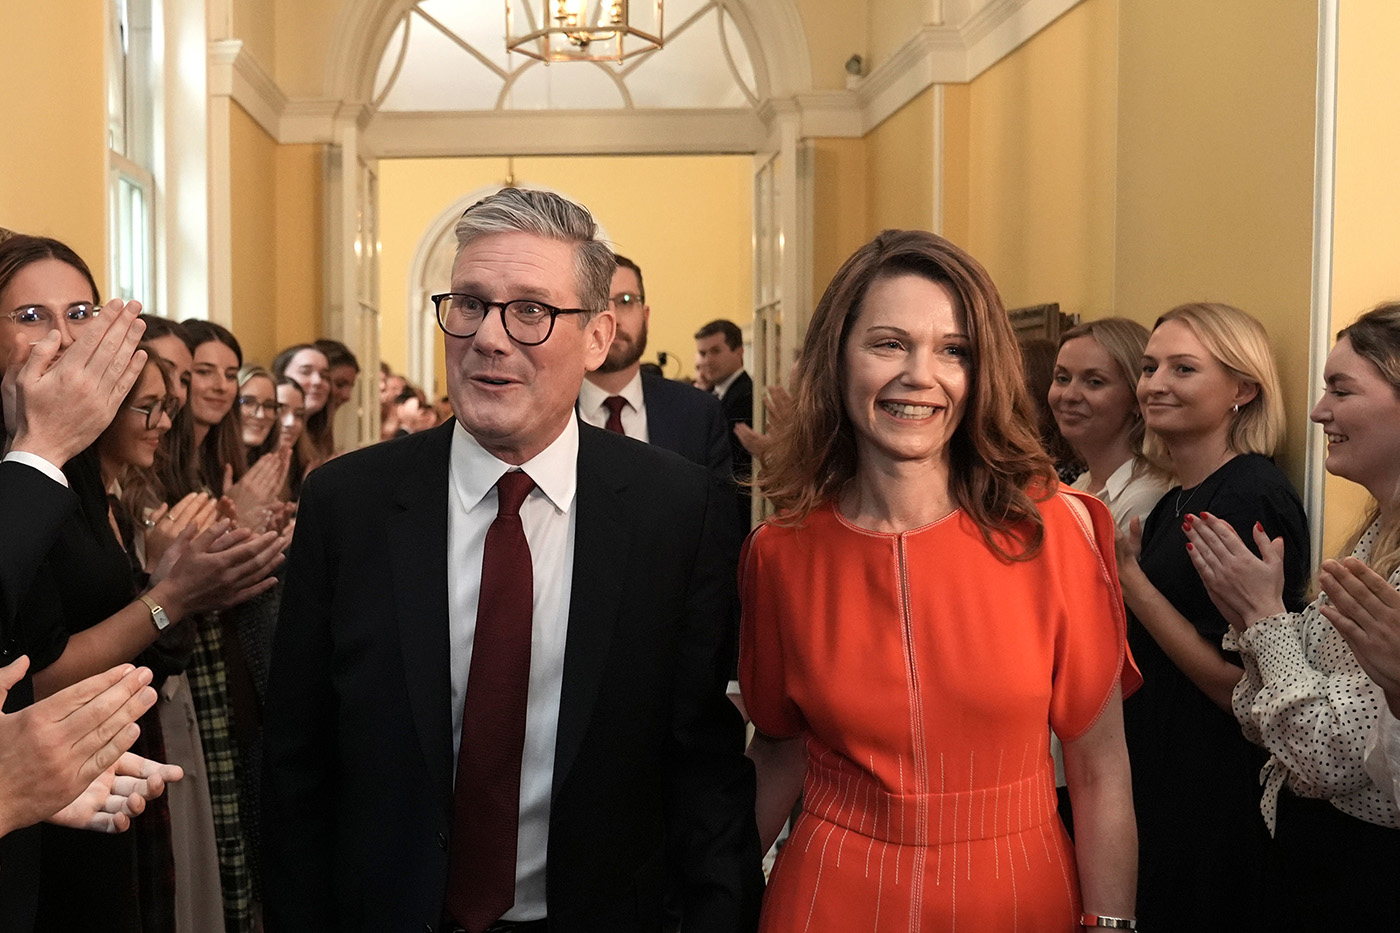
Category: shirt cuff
[1268,641]
[38,463]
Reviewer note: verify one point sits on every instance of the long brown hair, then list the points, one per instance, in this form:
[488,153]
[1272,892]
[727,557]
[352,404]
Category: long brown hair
[1375,336]
[223,444]
[998,467]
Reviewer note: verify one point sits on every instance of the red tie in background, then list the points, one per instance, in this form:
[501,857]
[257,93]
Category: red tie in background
[614,403]
[486,798]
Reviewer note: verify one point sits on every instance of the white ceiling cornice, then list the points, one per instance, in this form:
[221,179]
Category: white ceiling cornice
[938,54]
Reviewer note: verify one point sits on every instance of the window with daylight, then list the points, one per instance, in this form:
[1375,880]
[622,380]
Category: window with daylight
[131,149]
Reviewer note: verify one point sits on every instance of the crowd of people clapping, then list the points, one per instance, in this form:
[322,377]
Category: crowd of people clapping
[934,627]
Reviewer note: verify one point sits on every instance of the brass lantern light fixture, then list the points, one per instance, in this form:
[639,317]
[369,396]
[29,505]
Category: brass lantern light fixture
[583,30]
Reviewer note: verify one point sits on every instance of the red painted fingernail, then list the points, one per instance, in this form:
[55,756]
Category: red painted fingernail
[1186,525]
[1258,526]
[1189,546]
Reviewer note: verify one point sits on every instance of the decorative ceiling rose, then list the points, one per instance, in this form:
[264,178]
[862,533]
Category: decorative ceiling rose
[582,30]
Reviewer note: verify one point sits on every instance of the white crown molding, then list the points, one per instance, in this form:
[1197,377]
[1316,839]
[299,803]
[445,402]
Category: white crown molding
[544,132]
[937,54]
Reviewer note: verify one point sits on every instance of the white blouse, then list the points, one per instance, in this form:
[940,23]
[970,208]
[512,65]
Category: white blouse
[1129,493]
[1307,701]
[1383,757]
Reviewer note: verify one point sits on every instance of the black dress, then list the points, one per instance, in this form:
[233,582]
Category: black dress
[1201,839]
[87,880]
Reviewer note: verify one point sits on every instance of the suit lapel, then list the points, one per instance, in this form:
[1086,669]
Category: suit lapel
[418,558]
[601,545]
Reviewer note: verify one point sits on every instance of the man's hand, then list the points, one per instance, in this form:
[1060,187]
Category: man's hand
[51,752]
[58,404]
[119,794]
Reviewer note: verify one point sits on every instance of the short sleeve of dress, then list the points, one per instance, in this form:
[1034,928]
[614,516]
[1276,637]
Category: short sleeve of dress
[1091,649]
[762,676]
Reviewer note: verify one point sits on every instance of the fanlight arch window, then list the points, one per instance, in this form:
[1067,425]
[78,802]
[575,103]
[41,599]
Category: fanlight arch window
[445,55]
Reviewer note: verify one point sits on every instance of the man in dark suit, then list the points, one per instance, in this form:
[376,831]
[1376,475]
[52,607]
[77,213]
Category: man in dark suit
[719,359]
[497,694]
[619,397]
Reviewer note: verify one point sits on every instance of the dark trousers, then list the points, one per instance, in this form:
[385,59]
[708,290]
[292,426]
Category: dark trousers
[1331,871]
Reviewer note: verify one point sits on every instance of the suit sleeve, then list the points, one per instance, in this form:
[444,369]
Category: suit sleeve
[712,833]
[33,509]
[300,792]
[718,455]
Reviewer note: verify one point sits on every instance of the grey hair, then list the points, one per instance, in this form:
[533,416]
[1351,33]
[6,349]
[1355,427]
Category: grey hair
[526,210]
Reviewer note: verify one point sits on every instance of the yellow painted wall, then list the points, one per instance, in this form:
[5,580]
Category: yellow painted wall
[899,168]
[300,217]
[254,22]
[957,163]
[303,31]
[835,30]
[839,206]
[253,183]
[685,220]
[894,22]
[1040,139]
[1215,169]
[1366,236]
[276,240]
[52,164]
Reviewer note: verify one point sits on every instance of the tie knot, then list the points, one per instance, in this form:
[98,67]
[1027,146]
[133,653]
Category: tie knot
[511,490]
[615,404]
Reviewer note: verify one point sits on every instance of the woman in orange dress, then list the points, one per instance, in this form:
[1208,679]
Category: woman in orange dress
[927,605]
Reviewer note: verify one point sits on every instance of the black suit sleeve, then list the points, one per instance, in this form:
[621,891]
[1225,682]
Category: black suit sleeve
[713,838]
[301,747]
[718,453]
[33,508]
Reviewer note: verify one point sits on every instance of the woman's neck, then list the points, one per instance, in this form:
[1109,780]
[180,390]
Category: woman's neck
[201,431]
[1195,458]
[895,497]
[1103,461]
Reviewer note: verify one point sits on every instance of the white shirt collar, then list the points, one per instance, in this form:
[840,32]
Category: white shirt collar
[475,469]
[723,387]
[1113,486]
[590,397]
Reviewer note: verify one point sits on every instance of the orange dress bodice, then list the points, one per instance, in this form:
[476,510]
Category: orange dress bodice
[925,673]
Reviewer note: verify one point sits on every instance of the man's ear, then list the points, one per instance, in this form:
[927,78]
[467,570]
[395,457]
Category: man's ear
[597,337]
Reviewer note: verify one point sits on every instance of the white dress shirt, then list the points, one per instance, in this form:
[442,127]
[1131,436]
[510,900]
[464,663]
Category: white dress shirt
[723,385]
[634,414]
[549,518]
[1307,701]
[38,463]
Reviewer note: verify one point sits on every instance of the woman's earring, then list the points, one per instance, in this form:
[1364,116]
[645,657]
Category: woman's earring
[1235,408]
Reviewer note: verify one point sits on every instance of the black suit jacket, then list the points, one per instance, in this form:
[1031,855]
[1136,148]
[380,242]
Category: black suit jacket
[683,419]
[33,510]
[738,409]
[649,773]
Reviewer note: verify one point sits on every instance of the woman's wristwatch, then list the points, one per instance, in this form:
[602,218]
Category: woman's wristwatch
[1107,923]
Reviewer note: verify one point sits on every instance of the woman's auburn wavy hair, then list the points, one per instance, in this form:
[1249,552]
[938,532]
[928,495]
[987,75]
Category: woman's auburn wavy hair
[998,468]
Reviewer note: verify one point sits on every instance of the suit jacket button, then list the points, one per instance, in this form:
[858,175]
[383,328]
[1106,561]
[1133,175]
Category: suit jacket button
[442,841]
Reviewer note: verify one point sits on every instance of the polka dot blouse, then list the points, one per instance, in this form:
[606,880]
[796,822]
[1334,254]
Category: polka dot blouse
[1306,700]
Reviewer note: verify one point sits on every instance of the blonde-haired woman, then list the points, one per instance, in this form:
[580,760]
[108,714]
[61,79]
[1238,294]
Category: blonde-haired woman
[1305,697]
[1209,393]
[1093,394]
[928,603]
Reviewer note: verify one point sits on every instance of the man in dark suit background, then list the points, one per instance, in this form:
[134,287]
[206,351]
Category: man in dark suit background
[497,694]
[619,397]
[719,360]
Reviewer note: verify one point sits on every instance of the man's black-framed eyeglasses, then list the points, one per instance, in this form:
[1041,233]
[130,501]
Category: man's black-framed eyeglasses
[527,322]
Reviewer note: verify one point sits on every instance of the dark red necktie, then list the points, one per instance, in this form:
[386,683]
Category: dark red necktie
[486,797]
[614,404]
